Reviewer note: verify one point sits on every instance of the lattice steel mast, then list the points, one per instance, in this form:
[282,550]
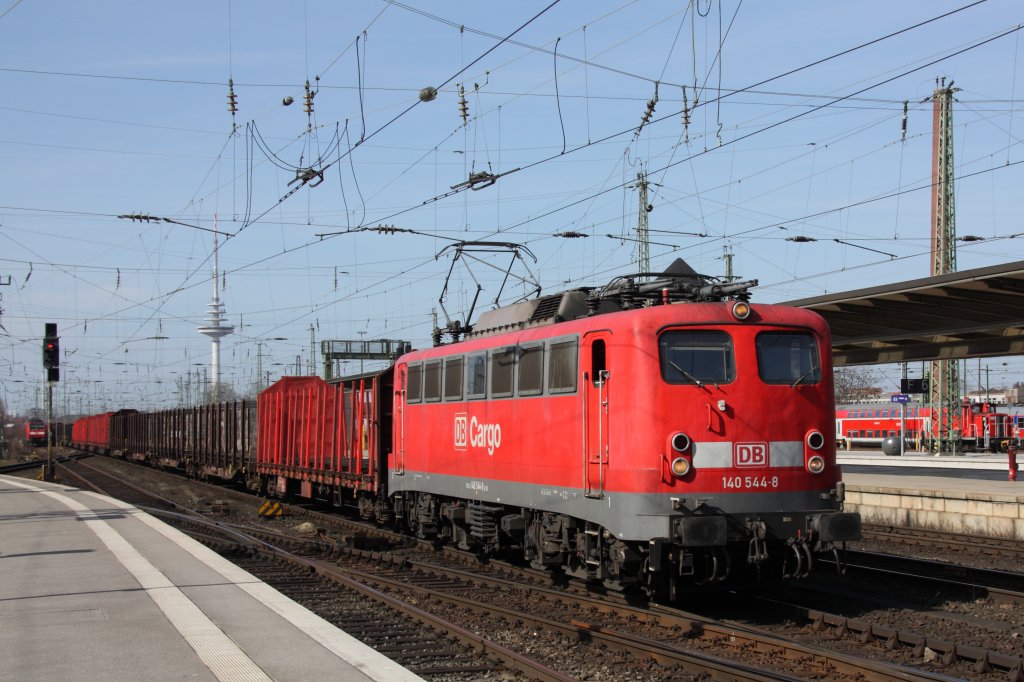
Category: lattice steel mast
[944,389]
[643,244]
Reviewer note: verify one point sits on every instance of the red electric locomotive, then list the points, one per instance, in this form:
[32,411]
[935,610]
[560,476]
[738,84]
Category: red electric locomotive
[666,445]
[36,432]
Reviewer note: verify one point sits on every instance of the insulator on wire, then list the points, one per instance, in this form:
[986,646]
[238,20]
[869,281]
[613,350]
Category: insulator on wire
[463,105]
[232,99]
[308,100]
[903,125]
[650,107]
[686,117]
[232,104]
[307,105]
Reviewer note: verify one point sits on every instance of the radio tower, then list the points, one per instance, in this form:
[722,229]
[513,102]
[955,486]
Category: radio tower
[944,389]
[215,327]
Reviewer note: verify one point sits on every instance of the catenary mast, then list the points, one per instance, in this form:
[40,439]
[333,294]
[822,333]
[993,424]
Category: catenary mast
[944,389]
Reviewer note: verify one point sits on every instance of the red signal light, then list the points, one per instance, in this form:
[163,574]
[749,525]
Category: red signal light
[51,352]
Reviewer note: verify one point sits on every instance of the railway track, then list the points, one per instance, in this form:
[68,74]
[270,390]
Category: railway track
[426,644]
[976,583]
[36,464]
[939,541]
[578,631]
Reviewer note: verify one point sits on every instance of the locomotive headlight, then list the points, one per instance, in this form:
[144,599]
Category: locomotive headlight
[680,442]
[815,441]
[816,464]
[741,310]
[680,467]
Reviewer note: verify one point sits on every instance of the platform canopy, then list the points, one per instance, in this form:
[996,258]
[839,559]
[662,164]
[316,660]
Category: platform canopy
[965,314]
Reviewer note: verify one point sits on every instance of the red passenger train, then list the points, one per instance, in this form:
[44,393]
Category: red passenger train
[665,436]
[977,425]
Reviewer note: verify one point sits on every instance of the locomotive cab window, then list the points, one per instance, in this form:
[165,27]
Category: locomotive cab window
[414,384]
[696,357]
[503,362]
[531,370]
[788,358]
[453,379]
[432,381]
[476,376]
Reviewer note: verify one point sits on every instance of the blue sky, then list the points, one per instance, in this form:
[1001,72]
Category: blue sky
[117,108]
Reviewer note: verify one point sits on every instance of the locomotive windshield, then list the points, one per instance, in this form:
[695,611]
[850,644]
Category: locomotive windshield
[788,358]
[697,357]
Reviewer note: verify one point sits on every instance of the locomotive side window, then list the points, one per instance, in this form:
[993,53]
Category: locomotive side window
[697,357]
[432,381]
[562,367]
[476,376]
[788,358]
[453,379]
[531,370]
[502,363]
[414,384]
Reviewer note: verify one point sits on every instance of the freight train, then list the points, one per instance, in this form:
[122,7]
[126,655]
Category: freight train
[665,435]
[977,425]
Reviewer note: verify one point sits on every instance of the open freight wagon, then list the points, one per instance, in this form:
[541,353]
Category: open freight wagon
[326,440]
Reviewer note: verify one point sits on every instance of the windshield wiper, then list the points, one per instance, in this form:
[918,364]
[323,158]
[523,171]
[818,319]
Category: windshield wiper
[686,374]
[804,376]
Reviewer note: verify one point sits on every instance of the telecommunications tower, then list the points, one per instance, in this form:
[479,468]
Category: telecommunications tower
[215,327]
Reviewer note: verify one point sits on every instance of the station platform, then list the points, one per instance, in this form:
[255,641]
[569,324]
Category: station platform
[95,589]
[965,494]
[911,460]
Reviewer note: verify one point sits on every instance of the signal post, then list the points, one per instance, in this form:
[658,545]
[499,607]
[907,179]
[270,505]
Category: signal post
[51,363]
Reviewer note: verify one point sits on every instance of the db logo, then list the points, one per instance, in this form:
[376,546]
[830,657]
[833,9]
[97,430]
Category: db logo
[750,455]
[461,431]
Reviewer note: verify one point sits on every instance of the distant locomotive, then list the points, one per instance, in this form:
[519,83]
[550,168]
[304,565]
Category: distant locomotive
[36,432]
[977,425]
[666,436]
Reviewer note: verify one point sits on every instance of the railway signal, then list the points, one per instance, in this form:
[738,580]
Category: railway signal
[51,363]
[51,352]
